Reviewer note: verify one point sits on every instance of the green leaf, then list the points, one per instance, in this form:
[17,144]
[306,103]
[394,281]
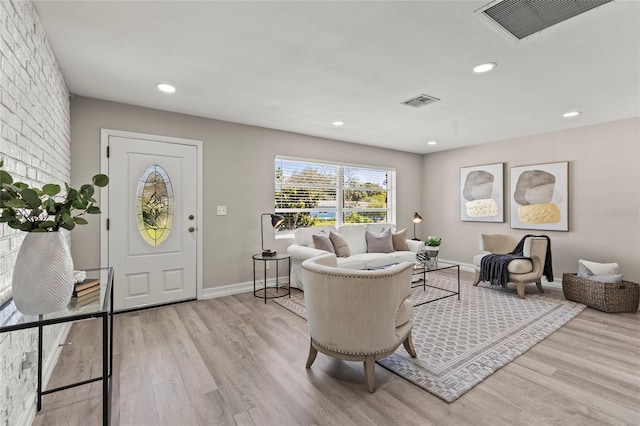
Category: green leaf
[51,189]
[14,224]
[66,217]
[26,226]
[31,197]
[19,186]
[68,226]
[39,230]
[46,224]
[80,221]
[16,203]
[100,180]
[72,194]
[87,190]
[79,204]
[49,205]
[5,177]
[93,209]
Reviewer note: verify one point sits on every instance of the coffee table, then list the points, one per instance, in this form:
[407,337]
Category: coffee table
[424,269]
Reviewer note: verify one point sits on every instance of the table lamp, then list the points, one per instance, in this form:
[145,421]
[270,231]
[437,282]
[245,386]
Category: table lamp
[276,220]
[416,219]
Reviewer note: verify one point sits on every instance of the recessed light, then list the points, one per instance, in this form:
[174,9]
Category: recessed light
[432,143]
[166,88]
[487,66]
[338,123]
[571,114]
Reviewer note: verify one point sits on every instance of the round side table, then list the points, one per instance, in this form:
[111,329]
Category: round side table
[280,290]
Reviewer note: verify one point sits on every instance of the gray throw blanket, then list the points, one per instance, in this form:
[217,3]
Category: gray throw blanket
[494,267]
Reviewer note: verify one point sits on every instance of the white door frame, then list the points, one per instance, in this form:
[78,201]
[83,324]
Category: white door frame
[104,193]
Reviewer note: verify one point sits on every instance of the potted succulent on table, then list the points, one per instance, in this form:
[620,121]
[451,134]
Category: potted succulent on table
[433,245]
[43,274]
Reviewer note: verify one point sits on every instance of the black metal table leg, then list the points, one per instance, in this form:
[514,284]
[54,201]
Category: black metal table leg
[265,282]
[40,337]
[105,370]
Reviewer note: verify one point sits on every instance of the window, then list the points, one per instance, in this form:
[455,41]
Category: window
[154,205]
[313,193]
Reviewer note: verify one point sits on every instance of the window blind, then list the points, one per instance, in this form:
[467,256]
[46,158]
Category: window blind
[315,193]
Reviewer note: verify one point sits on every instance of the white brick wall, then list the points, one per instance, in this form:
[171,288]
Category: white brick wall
[35,145]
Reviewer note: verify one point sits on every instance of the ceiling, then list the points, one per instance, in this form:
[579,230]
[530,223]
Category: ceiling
[299,66]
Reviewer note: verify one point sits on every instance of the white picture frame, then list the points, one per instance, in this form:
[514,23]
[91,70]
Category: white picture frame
[539,196]
[482,193]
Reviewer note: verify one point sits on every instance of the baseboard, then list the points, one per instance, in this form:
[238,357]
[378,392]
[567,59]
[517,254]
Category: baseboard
[231,289]
[49,364]
[246,287]
[226,290]
[469,267]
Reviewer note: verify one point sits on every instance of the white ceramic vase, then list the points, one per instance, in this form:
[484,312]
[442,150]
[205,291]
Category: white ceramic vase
[43,275]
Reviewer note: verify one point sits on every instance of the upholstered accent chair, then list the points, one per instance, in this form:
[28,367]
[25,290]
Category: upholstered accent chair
[357,315]
[521,271]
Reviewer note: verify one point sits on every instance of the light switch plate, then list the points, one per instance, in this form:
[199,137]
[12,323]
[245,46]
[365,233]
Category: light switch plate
[221,210]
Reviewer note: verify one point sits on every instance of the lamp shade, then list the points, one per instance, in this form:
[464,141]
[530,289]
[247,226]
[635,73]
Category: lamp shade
[276,220]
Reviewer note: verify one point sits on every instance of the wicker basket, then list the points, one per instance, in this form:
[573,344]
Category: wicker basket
[607,297]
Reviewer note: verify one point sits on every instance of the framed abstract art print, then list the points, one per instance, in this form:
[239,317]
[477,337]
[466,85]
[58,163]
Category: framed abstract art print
[481,193]
[539,196]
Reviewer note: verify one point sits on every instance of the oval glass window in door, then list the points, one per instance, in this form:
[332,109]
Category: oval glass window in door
[154,205]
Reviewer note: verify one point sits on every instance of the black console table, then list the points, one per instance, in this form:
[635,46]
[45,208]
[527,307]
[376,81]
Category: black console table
[11,319]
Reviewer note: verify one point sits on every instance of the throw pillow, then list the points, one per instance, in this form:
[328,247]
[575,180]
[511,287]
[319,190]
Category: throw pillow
[339,244]
[321,241]
[399,240]
[615,278]
[583,271]
[379,243]
[586,268]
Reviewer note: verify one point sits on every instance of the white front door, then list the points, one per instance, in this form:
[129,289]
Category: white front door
[152,225]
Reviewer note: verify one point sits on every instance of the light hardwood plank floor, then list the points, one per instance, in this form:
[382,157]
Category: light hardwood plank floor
[236,361]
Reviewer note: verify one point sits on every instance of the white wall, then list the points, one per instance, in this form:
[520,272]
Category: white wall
[35,146]
[604,194]
[238,173]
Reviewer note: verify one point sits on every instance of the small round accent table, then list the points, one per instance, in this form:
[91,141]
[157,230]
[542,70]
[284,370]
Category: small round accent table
[280,290]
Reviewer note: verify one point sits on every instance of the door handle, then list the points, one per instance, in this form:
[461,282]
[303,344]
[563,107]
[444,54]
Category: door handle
[192,229]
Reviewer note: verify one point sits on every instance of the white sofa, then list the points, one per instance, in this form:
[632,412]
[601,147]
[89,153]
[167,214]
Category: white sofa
[303,249]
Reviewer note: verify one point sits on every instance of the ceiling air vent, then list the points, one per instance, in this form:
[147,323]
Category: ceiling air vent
[521,18]
[420,101]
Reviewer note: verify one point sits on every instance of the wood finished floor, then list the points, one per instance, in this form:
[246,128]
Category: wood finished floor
[235,360]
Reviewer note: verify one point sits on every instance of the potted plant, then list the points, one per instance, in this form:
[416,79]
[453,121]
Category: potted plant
[433,246]
[43,274]
[433,243]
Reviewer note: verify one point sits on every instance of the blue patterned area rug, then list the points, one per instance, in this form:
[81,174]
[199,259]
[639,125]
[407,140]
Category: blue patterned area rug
[461,342]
